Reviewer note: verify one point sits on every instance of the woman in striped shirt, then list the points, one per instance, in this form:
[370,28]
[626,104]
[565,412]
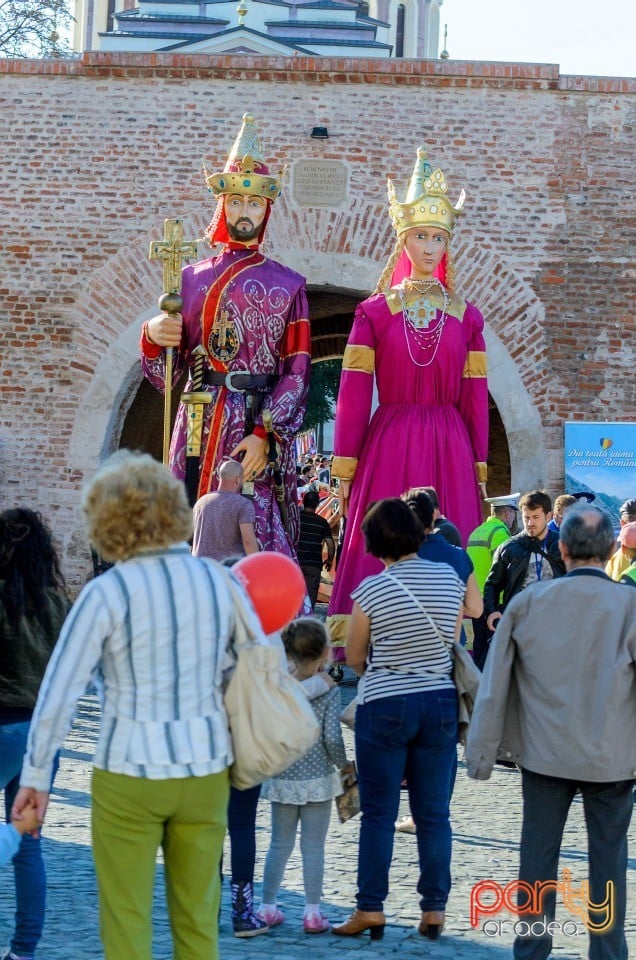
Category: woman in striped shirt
[154,634]
[400,637]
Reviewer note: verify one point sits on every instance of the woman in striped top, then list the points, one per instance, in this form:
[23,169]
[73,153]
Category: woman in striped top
[154,633]
[399,639]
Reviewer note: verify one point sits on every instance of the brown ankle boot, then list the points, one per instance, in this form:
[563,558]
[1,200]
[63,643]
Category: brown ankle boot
[431,924]
[361,920]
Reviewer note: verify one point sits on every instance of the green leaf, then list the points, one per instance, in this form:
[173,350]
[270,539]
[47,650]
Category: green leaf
[323,393]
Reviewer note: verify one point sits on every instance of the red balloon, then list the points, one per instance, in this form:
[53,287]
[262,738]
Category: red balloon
[274,584]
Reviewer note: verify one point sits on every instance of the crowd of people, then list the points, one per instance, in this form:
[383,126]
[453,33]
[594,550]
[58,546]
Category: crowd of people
[161,764]
[419,574]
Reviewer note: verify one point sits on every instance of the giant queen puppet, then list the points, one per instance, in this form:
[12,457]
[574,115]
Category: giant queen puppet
[424,345]
[243,334]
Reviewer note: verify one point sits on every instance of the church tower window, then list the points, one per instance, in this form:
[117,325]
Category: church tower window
[399,30]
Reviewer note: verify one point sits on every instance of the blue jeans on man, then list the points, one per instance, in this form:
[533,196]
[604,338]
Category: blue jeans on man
[28,863]
[607,808]
[412,736]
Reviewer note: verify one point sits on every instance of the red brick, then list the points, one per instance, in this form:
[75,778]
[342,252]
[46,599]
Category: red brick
[541,248]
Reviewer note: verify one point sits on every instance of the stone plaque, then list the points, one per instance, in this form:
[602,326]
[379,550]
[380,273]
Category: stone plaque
[320,183]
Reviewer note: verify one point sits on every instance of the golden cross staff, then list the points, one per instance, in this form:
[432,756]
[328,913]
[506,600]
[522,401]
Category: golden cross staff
[173,250]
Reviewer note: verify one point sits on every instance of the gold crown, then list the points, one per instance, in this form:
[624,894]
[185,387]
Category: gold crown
[245,172]
[426,203]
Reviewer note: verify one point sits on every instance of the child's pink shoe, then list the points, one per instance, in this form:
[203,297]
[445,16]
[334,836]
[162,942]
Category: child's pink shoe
[315,923]
[273,918]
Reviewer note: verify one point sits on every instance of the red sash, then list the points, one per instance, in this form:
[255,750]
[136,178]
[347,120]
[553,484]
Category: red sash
[209,312]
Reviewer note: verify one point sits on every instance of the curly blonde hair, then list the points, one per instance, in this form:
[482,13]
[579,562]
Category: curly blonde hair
[134,504]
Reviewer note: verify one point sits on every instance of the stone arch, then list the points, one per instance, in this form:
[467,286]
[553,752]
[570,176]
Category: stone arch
[515,344]
[349,246]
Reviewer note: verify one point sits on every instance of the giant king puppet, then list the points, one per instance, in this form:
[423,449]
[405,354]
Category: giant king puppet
[242,332]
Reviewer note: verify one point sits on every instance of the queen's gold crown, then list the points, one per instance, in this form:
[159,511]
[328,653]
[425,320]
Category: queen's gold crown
[426,203]
[245,172]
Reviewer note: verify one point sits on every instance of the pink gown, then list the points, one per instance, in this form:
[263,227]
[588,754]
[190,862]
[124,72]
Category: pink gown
[430,428]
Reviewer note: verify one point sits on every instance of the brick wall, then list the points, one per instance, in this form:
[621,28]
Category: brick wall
[99,151]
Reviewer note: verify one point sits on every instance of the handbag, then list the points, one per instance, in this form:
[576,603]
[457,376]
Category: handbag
[271,721]
[466,677]
[348,715]
[348,802]
[466,674]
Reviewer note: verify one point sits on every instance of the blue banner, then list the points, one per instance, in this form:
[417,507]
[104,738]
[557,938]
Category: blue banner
[600,458]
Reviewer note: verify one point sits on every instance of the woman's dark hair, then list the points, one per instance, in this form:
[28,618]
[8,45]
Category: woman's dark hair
[432,493]
[391,529]
[421,504]
[305,639]
[29,565]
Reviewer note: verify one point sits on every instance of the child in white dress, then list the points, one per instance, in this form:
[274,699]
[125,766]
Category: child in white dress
[304,793]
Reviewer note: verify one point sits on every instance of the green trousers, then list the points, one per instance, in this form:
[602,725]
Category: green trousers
[131,819]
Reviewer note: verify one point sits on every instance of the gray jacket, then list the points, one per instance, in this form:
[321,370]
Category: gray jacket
[558,693]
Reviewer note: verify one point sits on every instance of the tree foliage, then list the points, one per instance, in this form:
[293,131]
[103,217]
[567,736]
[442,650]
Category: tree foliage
[323,392]
[34,28]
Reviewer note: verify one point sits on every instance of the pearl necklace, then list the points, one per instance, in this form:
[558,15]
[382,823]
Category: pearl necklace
[418,314]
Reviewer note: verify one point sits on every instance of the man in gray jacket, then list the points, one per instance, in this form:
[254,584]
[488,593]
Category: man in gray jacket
[558,697]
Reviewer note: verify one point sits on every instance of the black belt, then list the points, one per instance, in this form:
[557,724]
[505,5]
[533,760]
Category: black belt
[238,382]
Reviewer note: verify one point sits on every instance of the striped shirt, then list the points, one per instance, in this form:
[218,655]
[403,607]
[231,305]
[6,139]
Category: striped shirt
[405,653]
[153,634]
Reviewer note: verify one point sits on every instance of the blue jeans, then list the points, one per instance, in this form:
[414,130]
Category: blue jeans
[241,822]
[28,864]
[607,808]
[414,736]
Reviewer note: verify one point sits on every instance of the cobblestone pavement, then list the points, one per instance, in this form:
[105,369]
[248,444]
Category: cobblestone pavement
[486,830]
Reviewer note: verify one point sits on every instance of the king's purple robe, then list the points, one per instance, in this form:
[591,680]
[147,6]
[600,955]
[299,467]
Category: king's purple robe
[266,306]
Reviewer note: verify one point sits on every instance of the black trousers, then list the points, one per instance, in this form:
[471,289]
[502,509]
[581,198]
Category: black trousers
[608,809]
[481,642]
[312,581]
